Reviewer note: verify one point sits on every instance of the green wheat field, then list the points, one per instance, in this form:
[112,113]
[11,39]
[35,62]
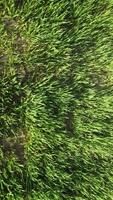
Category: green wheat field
[56,99]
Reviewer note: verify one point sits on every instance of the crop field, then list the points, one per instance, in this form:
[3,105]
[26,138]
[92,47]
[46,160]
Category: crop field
[56,99]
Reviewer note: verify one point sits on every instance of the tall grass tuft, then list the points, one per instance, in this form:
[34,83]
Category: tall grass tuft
[56,100]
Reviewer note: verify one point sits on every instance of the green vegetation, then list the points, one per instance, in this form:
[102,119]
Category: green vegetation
[56,100]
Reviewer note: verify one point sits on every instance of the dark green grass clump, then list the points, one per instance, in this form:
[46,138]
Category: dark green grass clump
[56,100]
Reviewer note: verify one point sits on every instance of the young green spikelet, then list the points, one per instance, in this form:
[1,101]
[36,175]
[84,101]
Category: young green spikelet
[56,91]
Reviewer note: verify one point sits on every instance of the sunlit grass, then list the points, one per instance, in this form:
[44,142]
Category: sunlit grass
[56,91]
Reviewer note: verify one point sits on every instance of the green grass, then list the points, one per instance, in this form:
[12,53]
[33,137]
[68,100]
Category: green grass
[56,100]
